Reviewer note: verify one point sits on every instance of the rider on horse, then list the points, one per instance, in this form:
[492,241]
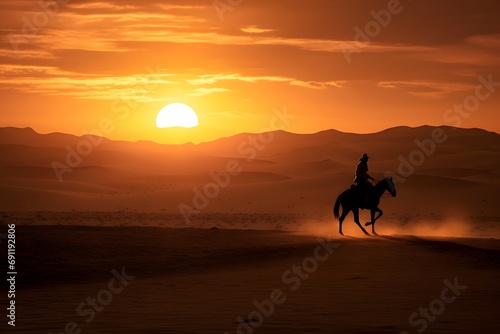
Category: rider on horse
[363,195]
[362,177]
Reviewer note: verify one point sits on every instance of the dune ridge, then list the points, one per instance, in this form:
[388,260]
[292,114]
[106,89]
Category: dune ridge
[293,173]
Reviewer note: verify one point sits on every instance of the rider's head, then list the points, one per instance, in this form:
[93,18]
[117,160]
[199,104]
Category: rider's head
[364,158]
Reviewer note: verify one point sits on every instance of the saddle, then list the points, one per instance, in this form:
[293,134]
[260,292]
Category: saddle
[362,195]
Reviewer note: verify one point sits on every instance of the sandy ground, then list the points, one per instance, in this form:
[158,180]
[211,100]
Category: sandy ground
[207,280]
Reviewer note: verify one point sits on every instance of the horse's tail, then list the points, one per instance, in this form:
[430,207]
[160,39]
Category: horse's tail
[337,206]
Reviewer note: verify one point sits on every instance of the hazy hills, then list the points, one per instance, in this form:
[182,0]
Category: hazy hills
[278,171]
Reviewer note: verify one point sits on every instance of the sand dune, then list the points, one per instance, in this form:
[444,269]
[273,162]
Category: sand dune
[291,173]
[455,190]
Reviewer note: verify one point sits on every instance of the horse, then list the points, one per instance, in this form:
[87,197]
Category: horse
[351,201]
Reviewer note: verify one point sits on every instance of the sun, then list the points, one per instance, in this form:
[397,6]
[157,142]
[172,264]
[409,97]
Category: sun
[176,114]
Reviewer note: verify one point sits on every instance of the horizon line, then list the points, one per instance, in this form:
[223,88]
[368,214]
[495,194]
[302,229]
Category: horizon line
[247,133]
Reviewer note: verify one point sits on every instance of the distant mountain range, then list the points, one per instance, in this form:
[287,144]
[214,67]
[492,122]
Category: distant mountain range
[280,171]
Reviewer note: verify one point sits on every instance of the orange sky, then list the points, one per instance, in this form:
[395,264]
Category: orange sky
[65,68]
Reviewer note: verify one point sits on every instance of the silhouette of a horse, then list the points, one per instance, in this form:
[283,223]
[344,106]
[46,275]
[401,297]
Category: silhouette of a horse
[351,200]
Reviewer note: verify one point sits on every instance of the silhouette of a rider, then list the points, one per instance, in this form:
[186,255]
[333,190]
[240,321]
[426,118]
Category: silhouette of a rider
[362,177]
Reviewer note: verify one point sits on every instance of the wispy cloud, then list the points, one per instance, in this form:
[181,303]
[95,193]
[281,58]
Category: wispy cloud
[53,81]
[318,85]
[492,40]
[213,78]
[207,91]
[255,30]
[228,114]
[427,89]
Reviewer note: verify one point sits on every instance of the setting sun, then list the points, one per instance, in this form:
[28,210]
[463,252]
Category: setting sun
[176,115]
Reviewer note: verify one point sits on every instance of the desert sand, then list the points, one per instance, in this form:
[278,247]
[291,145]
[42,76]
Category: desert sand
[261,256]
[194,280]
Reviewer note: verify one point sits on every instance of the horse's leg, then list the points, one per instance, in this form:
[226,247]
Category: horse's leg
[372,215]
[345,212]
[356,220]
[374,219]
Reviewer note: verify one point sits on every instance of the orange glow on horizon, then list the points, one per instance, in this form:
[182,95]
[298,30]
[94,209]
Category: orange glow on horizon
[120,62]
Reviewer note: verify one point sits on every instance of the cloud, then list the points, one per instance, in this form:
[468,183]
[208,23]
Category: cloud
[255,30]
[53,81]
[213,78]
[427,89]
[492,40]
[318,85]
[206,91]
[228,114]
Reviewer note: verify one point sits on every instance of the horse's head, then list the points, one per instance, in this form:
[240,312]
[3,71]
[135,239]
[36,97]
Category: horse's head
[390,186]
